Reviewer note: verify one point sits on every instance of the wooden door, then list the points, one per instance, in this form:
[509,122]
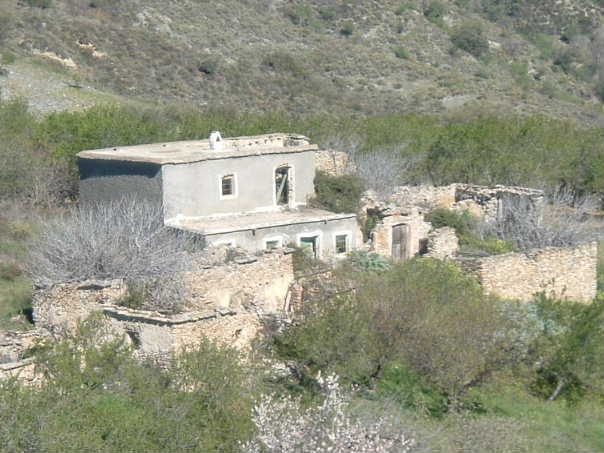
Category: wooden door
[400,239]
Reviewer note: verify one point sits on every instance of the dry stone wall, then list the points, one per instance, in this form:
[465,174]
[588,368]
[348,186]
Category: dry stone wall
[14,363]
[565,273]
[482,201]
[259,282]
[442,243]
[227,304]
[60,307]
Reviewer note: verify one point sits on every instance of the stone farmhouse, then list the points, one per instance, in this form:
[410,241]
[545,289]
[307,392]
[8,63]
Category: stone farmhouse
[248,197]
[248,192]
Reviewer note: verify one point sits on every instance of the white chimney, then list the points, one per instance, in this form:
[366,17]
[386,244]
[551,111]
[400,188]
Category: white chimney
[216,141]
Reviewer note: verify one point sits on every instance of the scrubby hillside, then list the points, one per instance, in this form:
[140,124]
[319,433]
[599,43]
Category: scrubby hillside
[425,56]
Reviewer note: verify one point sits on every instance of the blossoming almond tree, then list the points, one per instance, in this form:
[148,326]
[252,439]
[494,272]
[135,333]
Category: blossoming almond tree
[285,427]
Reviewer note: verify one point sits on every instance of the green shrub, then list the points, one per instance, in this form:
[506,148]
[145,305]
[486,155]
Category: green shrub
[209,66]
[328,13]
[567,355]
[435,11]
[401,52]
[403,8]
[424,314]
[347,29]
[39,3]
[338,193]
[98,397]
[470,37]
[282,61]
[412,391]
[368,262]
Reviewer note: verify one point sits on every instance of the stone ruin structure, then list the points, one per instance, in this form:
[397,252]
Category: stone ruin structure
[227,303]
[401,232]
[15,360]
[567,273]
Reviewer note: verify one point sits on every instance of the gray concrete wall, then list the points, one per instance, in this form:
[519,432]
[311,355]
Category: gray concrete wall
[193,190]
[290,235]
[108,180]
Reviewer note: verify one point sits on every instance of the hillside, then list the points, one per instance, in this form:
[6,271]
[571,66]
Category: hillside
[368,57]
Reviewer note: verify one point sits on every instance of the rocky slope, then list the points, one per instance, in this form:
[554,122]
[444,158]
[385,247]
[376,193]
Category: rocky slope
[534,56]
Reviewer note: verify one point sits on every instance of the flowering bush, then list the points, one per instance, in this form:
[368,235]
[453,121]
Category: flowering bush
[285,427]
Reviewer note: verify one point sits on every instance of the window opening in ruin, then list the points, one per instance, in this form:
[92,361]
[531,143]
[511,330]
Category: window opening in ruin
[341,243]
[282,185]
[400,239]
[272,244]
[228,185]
[423,246]
[310,245]
[135,338]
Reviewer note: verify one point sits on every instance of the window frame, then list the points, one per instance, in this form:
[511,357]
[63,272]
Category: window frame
[348,236]
[234,186]
[278,239]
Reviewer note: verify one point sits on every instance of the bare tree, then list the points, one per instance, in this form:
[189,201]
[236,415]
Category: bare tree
[563,221]
[125,239]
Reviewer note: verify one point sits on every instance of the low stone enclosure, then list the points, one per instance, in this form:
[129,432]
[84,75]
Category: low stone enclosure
[227,303]
[563,273]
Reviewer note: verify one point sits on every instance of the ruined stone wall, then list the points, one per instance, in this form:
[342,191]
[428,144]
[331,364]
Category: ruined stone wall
[334,163]
[424,197]
[491,203]
[227,303]
[58,308]
[381,236]
[565,273]
[14,360]
[482,201]
[442,243]
[261,283]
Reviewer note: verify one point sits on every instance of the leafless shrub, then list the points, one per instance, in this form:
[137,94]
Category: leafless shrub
[125,239]
[284,427]
[383,170]
[563,221]
[165,294]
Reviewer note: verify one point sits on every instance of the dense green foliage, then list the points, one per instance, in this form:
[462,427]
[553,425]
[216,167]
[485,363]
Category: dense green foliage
[338,193]
[424,314]
[470,37]
[570,349]
[99,398]
[530,151]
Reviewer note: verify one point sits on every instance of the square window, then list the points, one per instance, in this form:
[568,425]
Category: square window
[227,185]
[341,243]
[274,244]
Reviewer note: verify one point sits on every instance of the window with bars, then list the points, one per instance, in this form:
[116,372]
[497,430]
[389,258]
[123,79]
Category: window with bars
[341,243]
[227,185]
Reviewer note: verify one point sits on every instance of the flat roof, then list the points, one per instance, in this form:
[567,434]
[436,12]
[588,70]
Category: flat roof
[254,221]
[184,152]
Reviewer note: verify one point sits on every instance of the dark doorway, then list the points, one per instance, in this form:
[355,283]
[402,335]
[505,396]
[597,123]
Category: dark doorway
[400,239]
[282,185]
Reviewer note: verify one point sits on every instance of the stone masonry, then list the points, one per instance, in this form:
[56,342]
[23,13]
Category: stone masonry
[565,273]
[227,304]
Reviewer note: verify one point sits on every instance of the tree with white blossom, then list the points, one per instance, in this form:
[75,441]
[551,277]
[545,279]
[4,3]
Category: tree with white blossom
[285,427]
